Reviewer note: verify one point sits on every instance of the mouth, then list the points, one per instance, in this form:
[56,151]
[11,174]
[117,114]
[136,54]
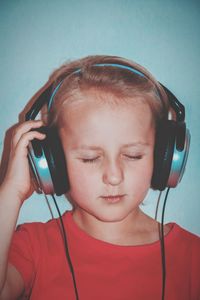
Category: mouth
[113,198]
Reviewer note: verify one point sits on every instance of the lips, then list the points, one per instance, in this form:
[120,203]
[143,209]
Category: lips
[113,198]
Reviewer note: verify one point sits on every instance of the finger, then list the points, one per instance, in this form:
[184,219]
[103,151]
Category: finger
[23,128]
[26,138]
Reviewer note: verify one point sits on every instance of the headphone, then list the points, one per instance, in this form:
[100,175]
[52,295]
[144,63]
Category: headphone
[47,159]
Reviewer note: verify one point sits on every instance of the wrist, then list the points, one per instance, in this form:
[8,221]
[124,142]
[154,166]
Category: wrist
[9,194]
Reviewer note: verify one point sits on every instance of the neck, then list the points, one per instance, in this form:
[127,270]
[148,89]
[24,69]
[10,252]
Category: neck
[136,229]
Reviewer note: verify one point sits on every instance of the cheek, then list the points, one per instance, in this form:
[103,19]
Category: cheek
[140,174]
[81,180]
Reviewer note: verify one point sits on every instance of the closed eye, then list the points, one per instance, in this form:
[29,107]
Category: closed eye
[133,157]
[90,160]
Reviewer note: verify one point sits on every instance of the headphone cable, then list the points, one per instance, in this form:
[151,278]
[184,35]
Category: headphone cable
[64,236]
[162,244]
[157,206]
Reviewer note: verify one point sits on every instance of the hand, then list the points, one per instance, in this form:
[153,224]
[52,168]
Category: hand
[18,173]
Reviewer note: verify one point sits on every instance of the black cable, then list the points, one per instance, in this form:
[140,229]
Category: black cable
[157,206]
[66,247]
[162,243]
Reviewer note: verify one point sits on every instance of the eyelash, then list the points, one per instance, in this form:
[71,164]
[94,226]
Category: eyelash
[89,160]
[133,157]
[92,160]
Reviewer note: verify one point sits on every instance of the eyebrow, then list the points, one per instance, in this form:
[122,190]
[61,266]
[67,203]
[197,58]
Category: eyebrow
[136,144]
[96,148]
[86,147]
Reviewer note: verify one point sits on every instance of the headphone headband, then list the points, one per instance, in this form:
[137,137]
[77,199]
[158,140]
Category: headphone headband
[47,97]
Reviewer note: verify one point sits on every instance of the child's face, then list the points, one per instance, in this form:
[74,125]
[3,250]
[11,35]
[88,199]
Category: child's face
[109,154]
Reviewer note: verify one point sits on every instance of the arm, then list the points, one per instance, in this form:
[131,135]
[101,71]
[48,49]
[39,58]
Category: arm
[14,190]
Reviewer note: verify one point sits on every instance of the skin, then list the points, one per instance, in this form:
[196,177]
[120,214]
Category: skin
[109,152]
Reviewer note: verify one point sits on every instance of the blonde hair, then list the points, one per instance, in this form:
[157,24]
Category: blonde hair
[106,74]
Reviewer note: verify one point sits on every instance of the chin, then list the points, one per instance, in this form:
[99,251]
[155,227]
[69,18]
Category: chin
[111,217]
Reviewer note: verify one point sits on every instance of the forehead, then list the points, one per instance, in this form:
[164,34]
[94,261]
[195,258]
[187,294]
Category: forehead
[96,119]
[95,101]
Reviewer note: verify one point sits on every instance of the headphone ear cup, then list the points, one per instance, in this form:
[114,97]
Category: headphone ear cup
[47,162]
[56,161]
[163,153]
[39,164]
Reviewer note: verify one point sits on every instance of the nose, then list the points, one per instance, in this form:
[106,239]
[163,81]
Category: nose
[113,173]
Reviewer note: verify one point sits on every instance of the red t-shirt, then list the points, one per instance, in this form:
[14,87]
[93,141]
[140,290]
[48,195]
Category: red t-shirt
[102,270]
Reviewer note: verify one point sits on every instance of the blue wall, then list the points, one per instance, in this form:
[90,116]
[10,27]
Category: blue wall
[38,36]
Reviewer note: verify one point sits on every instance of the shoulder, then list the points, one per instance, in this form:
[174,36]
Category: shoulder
[33,240]
[184,241]
[37,232]
[187,235]
[42,226]
[34,229]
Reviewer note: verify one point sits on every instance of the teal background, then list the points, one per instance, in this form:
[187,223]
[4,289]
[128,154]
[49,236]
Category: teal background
[38,36]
